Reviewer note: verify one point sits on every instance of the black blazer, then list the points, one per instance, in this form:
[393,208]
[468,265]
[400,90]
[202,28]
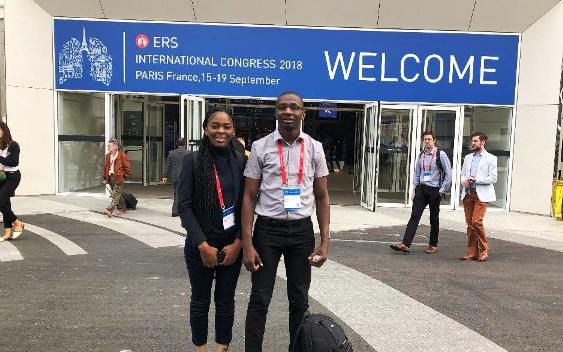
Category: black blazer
[190,221]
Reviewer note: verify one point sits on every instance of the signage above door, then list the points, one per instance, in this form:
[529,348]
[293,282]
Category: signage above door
[263,61]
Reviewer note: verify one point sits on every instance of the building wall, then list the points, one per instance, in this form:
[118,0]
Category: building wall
[536,114]
[29,93]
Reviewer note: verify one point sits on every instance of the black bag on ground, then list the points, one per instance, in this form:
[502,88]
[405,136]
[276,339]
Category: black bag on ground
[130,200]
[320,333]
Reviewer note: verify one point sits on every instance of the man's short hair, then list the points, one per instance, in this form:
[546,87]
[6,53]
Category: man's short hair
[482,137]
[181,142]
[290,92]
[428,133]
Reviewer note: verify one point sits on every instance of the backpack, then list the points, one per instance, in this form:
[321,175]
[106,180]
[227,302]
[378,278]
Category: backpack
[438,162]
[130,200]
[320,333]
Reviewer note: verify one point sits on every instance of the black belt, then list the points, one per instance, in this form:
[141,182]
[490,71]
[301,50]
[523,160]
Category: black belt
[11,172]
[282,222]
[426,186]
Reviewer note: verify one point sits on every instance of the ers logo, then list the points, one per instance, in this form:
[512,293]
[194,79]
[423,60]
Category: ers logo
[142,41]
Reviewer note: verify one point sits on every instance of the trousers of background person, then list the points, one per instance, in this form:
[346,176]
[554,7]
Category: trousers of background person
[116,195]
[296,241]
[424,195]
[175,202]
[201,281]
[7,190]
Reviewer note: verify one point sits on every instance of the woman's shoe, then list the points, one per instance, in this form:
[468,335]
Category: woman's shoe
[17,232]
[108,213]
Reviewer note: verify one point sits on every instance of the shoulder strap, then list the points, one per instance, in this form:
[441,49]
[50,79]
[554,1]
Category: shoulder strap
[439,160]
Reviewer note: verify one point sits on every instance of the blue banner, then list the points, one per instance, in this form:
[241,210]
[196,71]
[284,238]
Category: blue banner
[263,61]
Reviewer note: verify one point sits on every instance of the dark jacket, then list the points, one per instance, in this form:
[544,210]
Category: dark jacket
[13,157]
[192,221]
[174,163]
[121,168]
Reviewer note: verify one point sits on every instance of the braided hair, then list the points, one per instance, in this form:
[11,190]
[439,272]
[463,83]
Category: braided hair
[205,191]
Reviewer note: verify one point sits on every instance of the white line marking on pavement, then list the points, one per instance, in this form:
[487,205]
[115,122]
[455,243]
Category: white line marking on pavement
[9,252]
[64,244]
[149,235]
[368,241]
[386,318]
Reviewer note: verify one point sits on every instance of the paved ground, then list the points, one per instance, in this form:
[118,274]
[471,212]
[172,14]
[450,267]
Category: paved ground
[78,281]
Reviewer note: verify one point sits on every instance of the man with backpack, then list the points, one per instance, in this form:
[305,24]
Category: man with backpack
[432,179]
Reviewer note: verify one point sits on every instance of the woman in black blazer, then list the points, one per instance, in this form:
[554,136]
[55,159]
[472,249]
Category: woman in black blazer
[9,165]
[209,202]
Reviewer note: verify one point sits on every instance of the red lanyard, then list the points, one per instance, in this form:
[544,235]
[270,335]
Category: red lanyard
[282,165]
[219,191]
[431,158]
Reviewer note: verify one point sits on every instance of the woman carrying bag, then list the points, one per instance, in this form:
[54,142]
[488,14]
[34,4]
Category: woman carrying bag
[9,180]
[209,202]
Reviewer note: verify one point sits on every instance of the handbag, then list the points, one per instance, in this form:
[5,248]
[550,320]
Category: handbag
[2,176]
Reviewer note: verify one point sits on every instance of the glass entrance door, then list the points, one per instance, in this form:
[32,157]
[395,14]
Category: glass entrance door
[154,143]
[394,157]
[369,160]
[445,122]
[192,115]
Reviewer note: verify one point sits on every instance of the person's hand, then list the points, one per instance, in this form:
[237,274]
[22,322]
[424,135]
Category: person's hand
[251,259]
[232,252]
[164,179]
[319,256]
[208,255]
[413,194]
[105,182]
[466,183]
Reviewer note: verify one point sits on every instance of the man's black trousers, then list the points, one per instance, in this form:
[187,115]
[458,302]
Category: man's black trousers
[424,195]
[272,238]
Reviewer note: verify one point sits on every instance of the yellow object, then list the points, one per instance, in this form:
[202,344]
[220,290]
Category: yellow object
[557,200]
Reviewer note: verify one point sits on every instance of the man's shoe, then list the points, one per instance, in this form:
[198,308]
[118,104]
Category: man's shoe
[400,247]
[431,249]
[484,255]
[175,214]
[469,256]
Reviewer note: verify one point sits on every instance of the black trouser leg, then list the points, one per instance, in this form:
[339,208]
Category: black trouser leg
[175,202]
[7,190]
[226,278]
[300,245]
[268,242]
[434,204]
[420,202]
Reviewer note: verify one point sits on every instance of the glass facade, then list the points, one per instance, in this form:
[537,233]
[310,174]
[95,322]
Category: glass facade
[496,123]
[81,126]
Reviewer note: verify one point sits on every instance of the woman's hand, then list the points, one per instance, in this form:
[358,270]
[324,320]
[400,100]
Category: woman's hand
[232,252]
[208,254]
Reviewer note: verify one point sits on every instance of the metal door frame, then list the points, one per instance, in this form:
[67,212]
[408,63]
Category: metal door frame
[191,120]
[458,141]
[412,153]
[369,149]
[146,140]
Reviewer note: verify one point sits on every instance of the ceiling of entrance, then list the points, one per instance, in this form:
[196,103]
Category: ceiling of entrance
[463,15]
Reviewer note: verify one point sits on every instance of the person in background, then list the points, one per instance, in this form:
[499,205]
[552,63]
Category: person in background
[173,169]
[432,179]
[210,189]
[116,171]
[9,164]
[478,176]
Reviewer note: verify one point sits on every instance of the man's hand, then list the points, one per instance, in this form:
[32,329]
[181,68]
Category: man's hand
[105,182]
[208,255]
[232,252]
[251,259]
[319,256]
[164,180]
